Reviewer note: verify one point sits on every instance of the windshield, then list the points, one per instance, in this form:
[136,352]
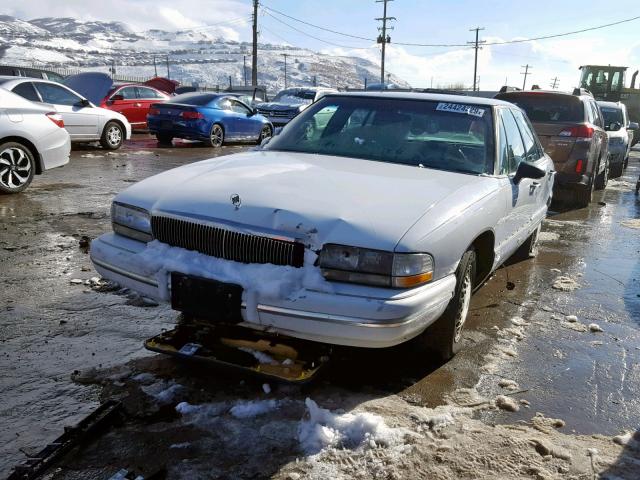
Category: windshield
[548,108]
[295,96]
[612,115]
[457,137]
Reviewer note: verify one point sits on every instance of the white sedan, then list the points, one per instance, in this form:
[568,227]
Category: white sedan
[32,140]
[368,228]
[83,120]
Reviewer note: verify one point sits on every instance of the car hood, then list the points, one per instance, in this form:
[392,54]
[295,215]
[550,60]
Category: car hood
[93,86]
[276,106]
[315,198]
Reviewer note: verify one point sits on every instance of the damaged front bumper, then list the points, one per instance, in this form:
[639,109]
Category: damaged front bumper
[353,315]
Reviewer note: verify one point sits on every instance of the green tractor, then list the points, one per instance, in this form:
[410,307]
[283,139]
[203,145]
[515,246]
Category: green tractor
[608,83]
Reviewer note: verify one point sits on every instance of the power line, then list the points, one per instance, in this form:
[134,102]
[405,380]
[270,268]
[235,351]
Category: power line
[524,40]
[313,36]
[554,83]
[318,26]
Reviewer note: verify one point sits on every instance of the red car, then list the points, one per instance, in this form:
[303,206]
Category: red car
[133,101]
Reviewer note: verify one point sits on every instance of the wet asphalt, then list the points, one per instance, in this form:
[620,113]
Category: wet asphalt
[54,333]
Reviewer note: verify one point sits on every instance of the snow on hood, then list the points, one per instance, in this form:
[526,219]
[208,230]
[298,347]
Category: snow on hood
[317,199]
[93,86]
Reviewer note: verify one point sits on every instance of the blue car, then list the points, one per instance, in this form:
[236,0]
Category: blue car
[212,118]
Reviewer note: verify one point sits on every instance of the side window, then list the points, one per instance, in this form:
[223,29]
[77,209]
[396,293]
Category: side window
[239,108]
[128,93]
[27,91]
[597,117]
[515,151]
[147,93]
[56,95]
[224,104]
[532,152]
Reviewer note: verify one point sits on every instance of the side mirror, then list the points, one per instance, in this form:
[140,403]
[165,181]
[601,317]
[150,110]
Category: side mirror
[254,111]
[633,126]
[84,103]
[527,170]
[614,127]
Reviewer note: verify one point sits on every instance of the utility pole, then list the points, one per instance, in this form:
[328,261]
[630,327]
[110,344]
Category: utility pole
[475,62]
[384,38]
[285,55]
[168,74]
[244,69]
[554,83]
[254,54]
[155,67]
[525,73]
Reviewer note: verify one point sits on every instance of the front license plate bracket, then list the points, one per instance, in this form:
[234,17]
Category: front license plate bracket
[206,298]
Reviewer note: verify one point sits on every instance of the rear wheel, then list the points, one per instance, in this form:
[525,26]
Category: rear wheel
[112,136]
[603,177]
[164,139]
[581,197]
[17,167]
[444,337]
[616,170]
[216,137]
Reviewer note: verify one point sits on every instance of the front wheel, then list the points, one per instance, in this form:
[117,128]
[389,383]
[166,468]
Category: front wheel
[164,139]
[444,337]
[265,133]
[17,167]
[112,136]
[617,170]
[216,137]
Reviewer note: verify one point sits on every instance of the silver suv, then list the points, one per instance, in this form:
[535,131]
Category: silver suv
[290,102]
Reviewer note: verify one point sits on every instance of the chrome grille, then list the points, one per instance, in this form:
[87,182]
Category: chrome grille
[226,244]
[277,113]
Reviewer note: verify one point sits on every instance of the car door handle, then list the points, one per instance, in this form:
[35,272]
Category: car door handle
[137,104]
[533,187]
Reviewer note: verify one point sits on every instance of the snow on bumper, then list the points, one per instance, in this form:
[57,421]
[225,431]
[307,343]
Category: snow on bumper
[293,301]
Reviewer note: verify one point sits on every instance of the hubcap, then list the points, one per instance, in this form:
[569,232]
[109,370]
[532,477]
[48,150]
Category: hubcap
[266,133]
[461,317]
[216,136]
[15,167]
[114,135]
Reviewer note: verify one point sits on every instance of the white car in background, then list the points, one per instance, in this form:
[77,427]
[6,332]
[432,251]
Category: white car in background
[83,120]
[32,140]
[621,132]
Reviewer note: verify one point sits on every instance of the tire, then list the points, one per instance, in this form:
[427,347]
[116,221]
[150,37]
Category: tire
[581,197]
[529,249]
[626,163]
[603,177]
[164,139]
[265,133]
[216,136]
[17,167]
[112,136]
[444,337]
[616,170]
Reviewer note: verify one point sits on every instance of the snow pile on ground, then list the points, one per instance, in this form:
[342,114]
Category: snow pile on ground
[163,391]
[565,283]
[631,223]
[620,185]
[253,408]
[548,236]
[325,429]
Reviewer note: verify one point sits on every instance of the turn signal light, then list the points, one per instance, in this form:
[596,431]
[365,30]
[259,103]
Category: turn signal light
[581,131]
[191,115]
[55,118]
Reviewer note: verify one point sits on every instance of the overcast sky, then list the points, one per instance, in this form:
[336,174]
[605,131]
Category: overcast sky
[418,21]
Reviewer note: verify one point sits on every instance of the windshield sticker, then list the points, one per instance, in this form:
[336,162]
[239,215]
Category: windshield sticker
[459,108]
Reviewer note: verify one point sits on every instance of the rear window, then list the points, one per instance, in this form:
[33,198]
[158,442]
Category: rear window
[548,108]
[612,115]
[195,98]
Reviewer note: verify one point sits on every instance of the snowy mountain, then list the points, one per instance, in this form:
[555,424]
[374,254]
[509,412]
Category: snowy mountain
[195,56]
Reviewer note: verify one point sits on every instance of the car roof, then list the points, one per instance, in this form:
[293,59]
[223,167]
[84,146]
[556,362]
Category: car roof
[436,97]
[617,105]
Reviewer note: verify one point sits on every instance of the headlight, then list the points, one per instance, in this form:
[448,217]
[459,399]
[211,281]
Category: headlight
[130,221]
[375,267]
